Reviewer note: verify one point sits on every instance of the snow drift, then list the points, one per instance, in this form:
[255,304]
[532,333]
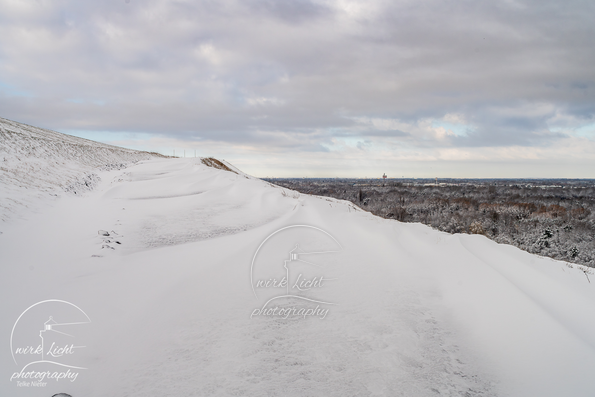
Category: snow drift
[162,257]
[38,164]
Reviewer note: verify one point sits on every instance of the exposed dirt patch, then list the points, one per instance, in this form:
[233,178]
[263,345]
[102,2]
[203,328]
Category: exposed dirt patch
[212,162]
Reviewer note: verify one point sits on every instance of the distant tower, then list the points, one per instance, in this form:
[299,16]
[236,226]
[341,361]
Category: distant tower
[436,180]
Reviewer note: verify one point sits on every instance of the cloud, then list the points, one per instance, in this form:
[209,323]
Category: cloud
[407,75]
[293,12]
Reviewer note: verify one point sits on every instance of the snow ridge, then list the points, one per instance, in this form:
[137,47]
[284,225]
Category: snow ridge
[37,164]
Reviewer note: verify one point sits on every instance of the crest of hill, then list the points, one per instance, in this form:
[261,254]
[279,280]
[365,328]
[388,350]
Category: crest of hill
[37,163]
[14,134]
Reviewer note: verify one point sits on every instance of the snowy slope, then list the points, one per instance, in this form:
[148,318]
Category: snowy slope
[36,164]
[169,292]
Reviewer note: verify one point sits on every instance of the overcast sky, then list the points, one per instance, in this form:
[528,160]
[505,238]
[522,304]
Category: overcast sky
[415,88]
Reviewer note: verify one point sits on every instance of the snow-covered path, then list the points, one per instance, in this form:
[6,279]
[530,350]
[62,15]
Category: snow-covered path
[415,312]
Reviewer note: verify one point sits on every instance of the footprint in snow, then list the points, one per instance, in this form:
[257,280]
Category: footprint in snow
[108,239]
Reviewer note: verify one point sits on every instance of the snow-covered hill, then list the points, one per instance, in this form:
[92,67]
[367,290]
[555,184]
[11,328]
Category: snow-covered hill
[178,267]
[36,163]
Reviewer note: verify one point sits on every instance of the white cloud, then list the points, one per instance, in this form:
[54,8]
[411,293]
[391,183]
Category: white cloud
[262,101]
[423,79]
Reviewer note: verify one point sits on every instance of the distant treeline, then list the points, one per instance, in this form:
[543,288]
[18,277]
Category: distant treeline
[554,218]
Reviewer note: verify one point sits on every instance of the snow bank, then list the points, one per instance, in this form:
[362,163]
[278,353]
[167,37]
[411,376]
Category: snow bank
[161,255]
[38,164]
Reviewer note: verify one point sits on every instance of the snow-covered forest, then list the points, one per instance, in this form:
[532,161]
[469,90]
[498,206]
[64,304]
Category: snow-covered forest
[553,218]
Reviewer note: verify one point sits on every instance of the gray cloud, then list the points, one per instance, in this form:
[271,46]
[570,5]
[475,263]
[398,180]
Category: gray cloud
[389,133]
[291,74]
[296,11]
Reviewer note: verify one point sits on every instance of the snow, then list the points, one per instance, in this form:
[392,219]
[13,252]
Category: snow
[37,165]
[415,312]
